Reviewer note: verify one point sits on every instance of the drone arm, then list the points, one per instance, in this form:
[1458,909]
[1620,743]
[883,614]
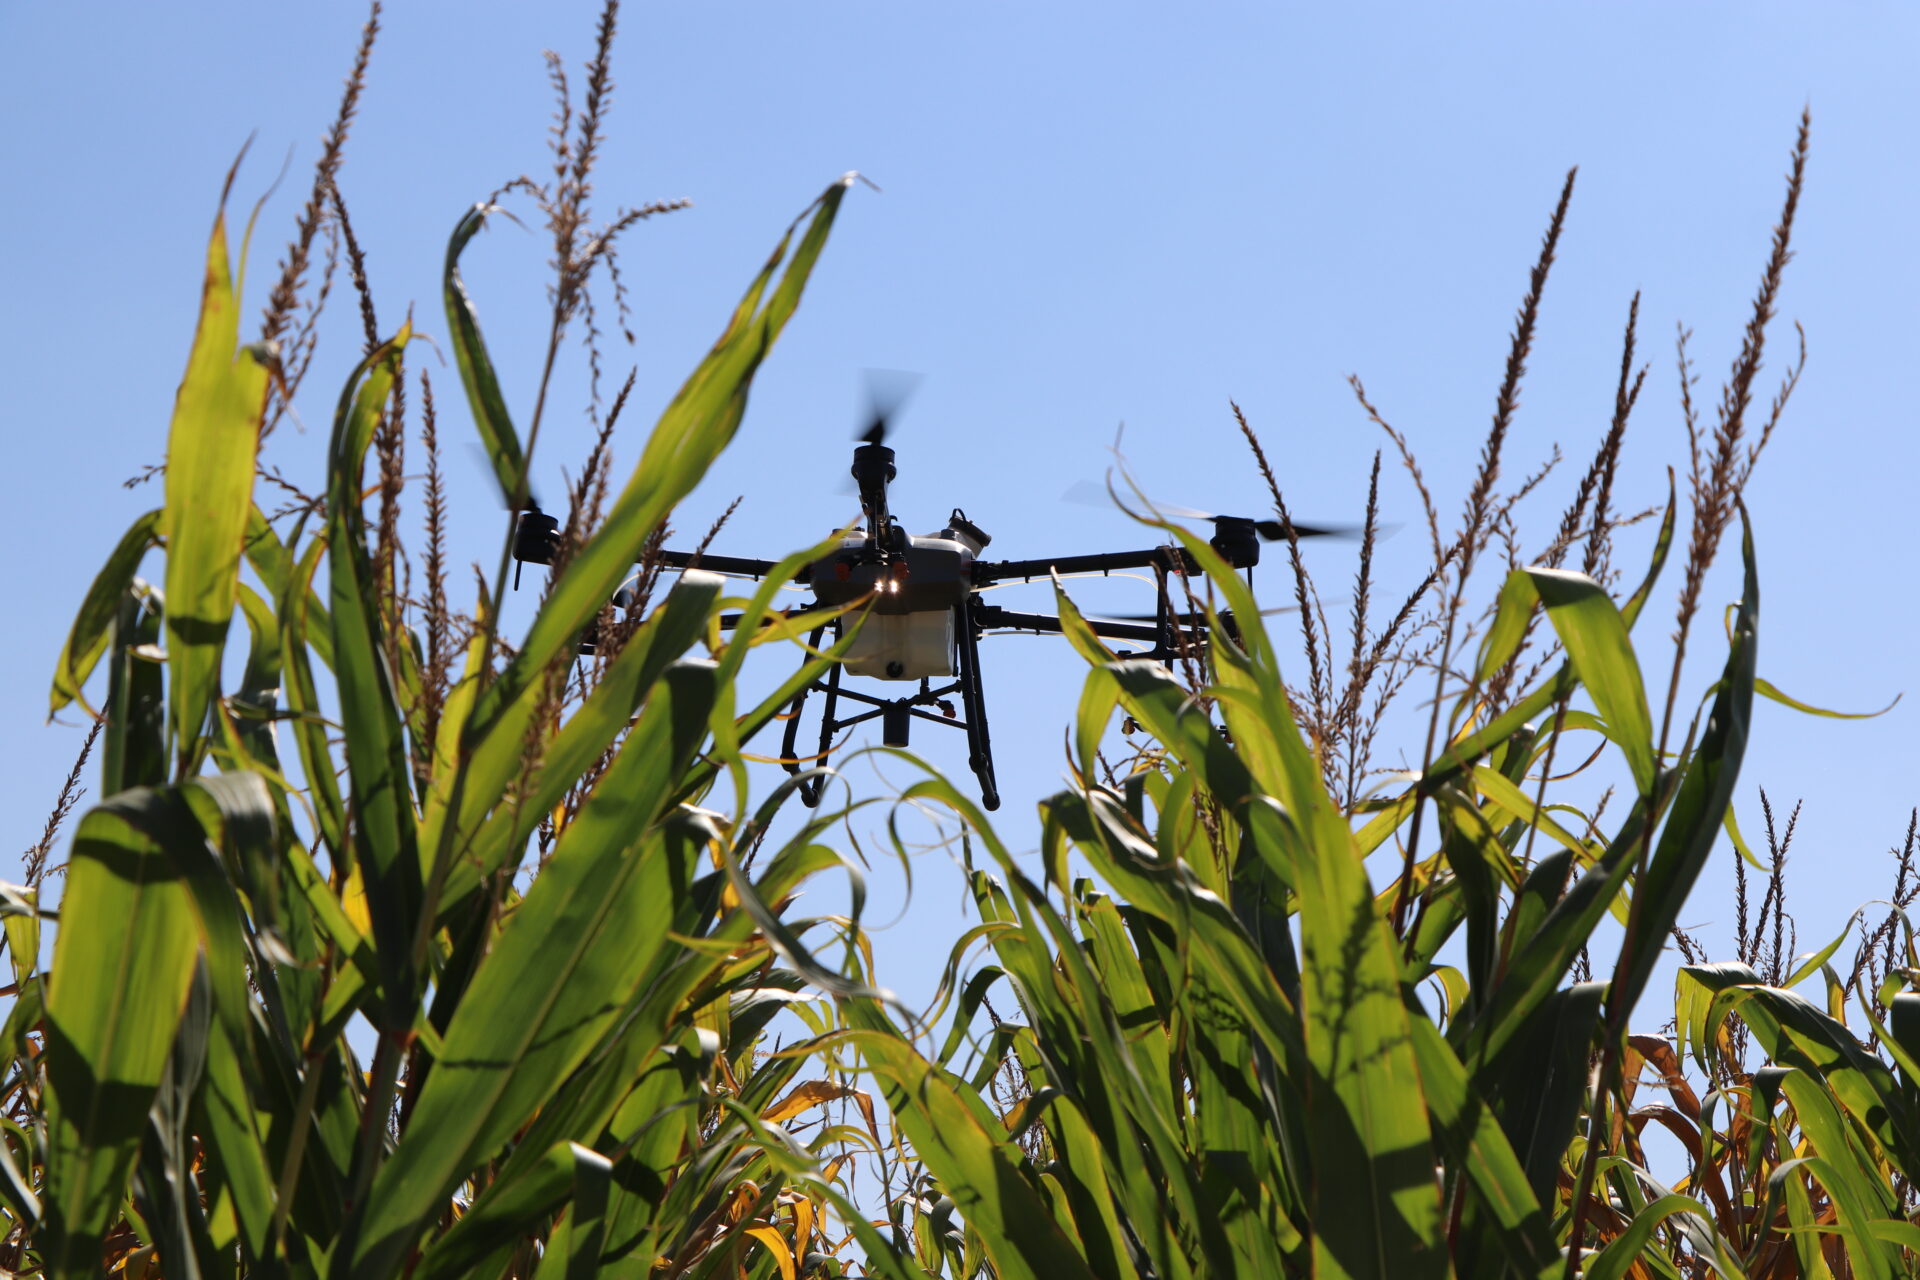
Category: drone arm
[537,535]
[992,617]
[715,564]
[1172,559]
[728,621]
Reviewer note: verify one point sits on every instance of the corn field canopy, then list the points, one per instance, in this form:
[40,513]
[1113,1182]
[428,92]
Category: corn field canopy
[394,944]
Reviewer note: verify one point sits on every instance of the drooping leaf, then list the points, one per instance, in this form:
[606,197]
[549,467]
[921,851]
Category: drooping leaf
[92,627]
[1594,634]
[490,414]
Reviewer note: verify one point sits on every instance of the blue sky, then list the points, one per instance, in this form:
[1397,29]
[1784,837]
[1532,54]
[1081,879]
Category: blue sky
[1092,215]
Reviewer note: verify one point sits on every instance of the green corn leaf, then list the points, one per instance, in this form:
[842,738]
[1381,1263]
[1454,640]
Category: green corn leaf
[303,700]
[490,413]
[1499,789]
[236,813]
[563,967]
[1085,1199]
[254,702]
[1740,845]
[1704,794]
[20,922]
[1510,615]
[573,1250]
[1814,963]
[210,458]
[163,1190]
[1613,1262]
[133,748]
[692,431]
[1089,1058]
[236,1147]
[673,628]
[1824,1129]
[1540,1082]
[1766,689]
[92,626]
[114,999]
[16,1192]
[1224,971]
[1795,1033]
[273,561]
[1896,1231]
[1562,683]
[1366,1119]
[1467,1128]
[1871,1257]
[1540,961]
[981,1172]
[1126,984]
[630,1089]
[1594,634]
[1482,868]
[384,832]
[690,434]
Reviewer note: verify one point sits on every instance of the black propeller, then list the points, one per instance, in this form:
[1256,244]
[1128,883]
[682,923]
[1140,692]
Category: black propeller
[873,470]
[888,391]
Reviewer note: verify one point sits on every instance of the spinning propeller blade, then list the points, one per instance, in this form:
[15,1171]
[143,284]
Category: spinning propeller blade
[485,464]
[1275,530]
[888,391]
[1086,493]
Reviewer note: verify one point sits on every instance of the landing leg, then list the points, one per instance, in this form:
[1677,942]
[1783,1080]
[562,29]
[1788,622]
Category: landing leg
[790,739]
[810,788]
[979,744]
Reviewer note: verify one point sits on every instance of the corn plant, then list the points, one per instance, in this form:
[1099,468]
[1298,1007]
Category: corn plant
[565,1075]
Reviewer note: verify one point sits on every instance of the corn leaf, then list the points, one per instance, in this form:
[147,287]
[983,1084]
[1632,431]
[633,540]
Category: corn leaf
[93,625]
[384,836]
[562,969]
[1594,634]
[1705,791]
[490,413]
[114,999]
[690,434]
[210,457]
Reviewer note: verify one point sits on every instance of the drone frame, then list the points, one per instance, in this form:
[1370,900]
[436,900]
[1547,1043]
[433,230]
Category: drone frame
[972,619]
[1167,635]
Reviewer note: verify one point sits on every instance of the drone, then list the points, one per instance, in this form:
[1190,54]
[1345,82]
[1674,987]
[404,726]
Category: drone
[917,604]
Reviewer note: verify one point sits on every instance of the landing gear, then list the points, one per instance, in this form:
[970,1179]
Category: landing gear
[896,715]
